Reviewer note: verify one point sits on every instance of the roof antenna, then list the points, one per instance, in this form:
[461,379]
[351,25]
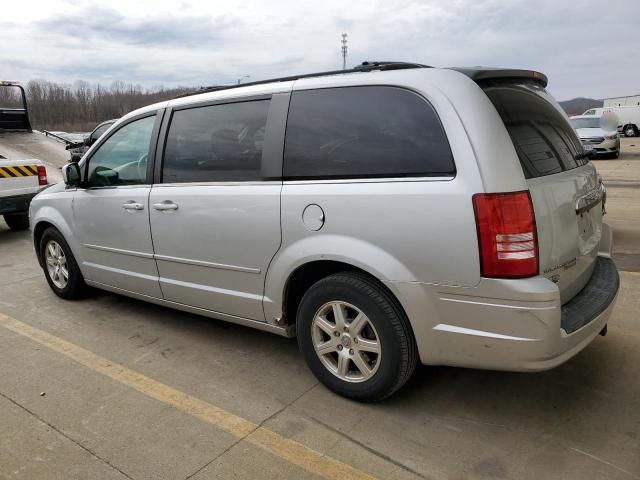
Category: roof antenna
[344,51]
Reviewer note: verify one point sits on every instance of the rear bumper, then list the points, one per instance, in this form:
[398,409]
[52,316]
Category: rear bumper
[593,299]
[517,325]
[15,204]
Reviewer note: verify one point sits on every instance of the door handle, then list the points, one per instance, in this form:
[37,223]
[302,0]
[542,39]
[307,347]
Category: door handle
[165,205]
[131,205]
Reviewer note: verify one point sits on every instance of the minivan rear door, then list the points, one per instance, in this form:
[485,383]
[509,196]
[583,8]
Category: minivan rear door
[565,189]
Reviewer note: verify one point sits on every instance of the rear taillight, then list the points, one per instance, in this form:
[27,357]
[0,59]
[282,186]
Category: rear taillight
[42,175]
[506,234]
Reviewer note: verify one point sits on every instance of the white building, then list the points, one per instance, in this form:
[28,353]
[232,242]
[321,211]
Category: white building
[631,101]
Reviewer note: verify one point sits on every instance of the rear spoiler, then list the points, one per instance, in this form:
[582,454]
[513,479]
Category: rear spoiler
[15,118]
[483,74]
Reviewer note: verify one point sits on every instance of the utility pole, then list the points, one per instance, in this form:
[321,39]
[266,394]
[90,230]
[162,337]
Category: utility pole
[344,51]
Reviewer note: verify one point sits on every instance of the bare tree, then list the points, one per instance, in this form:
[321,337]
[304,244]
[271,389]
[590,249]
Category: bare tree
[81,106]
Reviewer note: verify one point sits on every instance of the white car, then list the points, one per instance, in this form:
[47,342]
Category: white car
[598,133]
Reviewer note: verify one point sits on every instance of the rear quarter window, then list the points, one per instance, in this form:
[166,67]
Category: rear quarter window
[544,139]
[359,132]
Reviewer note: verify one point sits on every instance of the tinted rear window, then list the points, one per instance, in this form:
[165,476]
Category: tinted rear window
[544,139]
[355,132]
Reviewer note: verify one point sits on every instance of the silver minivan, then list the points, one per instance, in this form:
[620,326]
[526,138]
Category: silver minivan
[386,215]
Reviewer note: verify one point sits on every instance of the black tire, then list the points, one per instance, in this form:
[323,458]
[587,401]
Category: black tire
[630,131]
[17,221]
[75,287]
[399,352]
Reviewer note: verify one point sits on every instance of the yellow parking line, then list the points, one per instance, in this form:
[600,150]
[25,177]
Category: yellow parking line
[285,448]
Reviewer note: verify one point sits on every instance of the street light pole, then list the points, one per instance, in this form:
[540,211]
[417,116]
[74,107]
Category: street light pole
[244,76]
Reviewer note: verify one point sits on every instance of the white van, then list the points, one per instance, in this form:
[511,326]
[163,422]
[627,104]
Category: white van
[628,118]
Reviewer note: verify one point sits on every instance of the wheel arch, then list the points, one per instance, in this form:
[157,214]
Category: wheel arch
[324,253]
[38,230]
[307,274]
[48,217]
[304,276]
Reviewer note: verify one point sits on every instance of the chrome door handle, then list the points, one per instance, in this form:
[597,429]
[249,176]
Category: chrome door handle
[131,205]
[166,205]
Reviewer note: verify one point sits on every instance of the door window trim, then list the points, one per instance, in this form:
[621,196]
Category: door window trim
[273,146]
[159,114]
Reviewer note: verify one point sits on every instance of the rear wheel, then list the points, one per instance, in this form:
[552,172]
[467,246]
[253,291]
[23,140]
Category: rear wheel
[630,131]
[355,337]
[60,267]
[17,221]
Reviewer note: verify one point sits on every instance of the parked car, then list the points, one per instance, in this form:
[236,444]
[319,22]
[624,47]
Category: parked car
[628,118]
[447,216]
[20,178]
[598,132]
[20,181]
[77,150]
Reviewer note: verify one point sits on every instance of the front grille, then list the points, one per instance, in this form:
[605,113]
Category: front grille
[593,140]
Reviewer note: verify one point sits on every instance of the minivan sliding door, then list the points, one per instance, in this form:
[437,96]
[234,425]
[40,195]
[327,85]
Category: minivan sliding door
[215,214]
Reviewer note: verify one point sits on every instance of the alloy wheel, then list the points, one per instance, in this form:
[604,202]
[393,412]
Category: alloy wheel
[56,264]
[346,341]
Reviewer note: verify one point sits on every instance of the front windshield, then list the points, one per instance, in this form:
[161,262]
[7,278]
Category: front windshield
[585,122]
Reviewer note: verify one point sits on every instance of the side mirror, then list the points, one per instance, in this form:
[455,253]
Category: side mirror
[89,141]
[71,175]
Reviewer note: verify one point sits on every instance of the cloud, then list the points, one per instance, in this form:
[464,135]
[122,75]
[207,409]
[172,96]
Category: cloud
[203,43]
[105,24]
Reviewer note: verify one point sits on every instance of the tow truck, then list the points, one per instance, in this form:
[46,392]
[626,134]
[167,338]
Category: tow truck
[21,176]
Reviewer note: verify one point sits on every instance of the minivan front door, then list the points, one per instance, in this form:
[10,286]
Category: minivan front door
[215,220]
[111,215]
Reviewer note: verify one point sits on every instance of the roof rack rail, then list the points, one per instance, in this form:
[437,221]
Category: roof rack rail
[363,67]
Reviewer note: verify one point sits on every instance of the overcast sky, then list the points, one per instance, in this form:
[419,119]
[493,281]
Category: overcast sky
[586,47]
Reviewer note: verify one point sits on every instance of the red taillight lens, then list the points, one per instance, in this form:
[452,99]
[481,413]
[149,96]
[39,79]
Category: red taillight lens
[42,175]
[506,234]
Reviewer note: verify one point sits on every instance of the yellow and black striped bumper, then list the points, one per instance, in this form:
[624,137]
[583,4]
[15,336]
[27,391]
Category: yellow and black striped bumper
[18,171]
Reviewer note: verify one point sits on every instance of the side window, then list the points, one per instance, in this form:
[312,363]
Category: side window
[122,158]
[217,143]
[355,132]
[97,133]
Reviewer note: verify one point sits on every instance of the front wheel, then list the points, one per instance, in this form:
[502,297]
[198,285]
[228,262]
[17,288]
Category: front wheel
[60,266]
[355,337]
[17,221]
[629,131]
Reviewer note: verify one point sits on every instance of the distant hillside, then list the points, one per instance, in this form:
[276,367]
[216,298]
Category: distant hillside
[578,106]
